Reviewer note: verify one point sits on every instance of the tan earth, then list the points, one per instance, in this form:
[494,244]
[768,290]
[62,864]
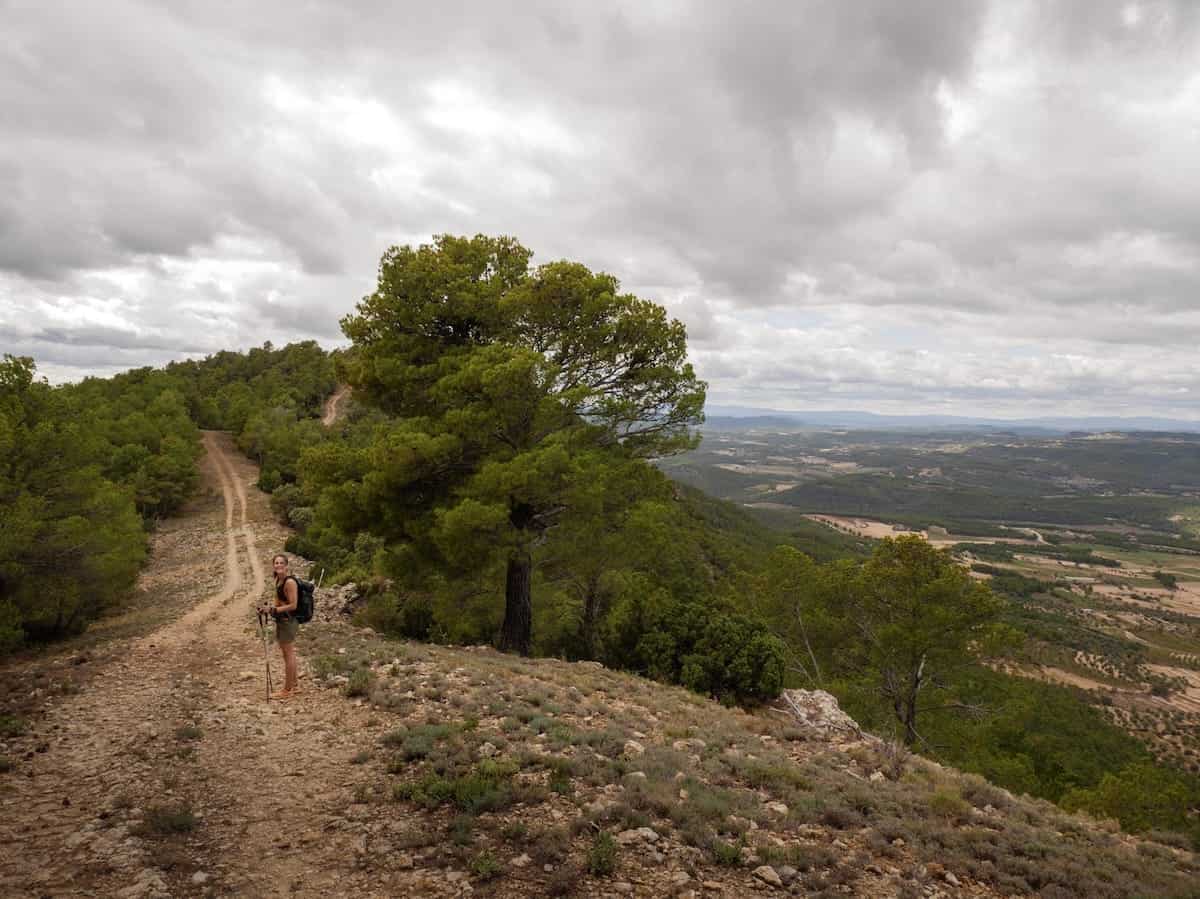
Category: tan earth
[85,813]
[332,410]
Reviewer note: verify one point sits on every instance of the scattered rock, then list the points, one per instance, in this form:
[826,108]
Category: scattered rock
[776,808]
[521,861]
[629,837]
[633,748]
[769,876]
[200,878]
[819,710]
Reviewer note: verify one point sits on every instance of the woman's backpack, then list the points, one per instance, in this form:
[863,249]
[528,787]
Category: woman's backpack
[305,600]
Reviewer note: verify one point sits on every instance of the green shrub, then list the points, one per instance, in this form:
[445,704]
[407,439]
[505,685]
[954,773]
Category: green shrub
[325,666]
[461,830]
[602,855]
[515,832]
[727,855]
[360,682]
[948,803]
[1142,796]
[698,643]
[486,866]
[169,819]
[487,788]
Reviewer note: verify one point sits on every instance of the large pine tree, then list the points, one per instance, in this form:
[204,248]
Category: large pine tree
[514,388]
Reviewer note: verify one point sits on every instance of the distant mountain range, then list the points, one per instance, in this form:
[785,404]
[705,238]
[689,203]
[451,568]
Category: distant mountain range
[736,418]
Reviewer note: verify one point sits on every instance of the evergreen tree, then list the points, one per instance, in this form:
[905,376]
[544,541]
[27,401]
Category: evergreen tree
[513,388]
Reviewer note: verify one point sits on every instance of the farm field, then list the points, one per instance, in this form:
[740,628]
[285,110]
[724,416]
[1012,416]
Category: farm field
[1094,539]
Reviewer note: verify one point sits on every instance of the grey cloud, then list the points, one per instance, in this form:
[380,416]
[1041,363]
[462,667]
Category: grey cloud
[114,338]
[970,169]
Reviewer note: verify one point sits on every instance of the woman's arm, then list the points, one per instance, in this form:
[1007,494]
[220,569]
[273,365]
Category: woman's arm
[291,593]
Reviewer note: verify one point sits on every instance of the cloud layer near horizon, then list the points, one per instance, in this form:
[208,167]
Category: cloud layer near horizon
[973,208]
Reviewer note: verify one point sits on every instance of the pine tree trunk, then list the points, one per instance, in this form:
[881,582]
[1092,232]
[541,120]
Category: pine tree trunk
[517,630]
[910,726]
[591,618]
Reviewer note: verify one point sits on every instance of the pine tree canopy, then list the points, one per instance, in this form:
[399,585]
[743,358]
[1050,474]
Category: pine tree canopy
[512,388]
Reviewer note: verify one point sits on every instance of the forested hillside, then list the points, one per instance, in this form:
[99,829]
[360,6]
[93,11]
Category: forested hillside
[493,480]
[85,469]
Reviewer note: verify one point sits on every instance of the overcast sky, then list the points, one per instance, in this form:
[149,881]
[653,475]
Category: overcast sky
[973,208]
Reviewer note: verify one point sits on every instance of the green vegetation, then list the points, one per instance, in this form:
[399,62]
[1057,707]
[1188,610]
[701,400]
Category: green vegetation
[166,820]
[87,469]
[602,855]
[509,440]
[901,627]
[84,470]
[744,790]
[1170,581]
[517,395]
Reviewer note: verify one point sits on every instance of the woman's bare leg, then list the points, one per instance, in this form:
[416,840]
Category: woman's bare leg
[289,666]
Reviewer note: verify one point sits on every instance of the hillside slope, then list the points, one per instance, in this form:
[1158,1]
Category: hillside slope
[155,767]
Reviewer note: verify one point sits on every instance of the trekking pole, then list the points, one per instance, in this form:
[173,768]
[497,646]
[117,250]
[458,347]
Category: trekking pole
[321,578]
[266,655]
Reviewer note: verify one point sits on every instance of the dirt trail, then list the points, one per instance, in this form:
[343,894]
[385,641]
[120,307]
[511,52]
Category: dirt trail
[178,720]
[331,404]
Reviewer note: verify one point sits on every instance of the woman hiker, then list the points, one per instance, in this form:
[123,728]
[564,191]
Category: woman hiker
[287,597]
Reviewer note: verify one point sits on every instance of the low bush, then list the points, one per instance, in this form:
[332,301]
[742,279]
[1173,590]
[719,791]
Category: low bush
[164,820]
[602,855]
[486,866]
[359,683]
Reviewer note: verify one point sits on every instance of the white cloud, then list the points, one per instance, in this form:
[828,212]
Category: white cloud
[974,207]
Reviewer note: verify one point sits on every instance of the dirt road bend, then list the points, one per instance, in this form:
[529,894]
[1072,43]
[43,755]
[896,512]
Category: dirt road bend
[168,773]
[332,404]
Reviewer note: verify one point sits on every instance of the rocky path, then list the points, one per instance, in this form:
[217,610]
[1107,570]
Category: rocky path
[170,774]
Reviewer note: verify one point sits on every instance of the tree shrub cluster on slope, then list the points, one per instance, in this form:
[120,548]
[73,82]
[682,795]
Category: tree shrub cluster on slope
[227,390]
[84,470]
[899,640]
[494,480]
[519,410]
[269,398]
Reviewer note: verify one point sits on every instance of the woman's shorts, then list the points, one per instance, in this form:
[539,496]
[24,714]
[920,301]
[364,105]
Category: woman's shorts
[285,629]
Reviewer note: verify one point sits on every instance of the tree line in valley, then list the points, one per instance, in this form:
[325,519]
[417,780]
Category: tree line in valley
[495,481]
